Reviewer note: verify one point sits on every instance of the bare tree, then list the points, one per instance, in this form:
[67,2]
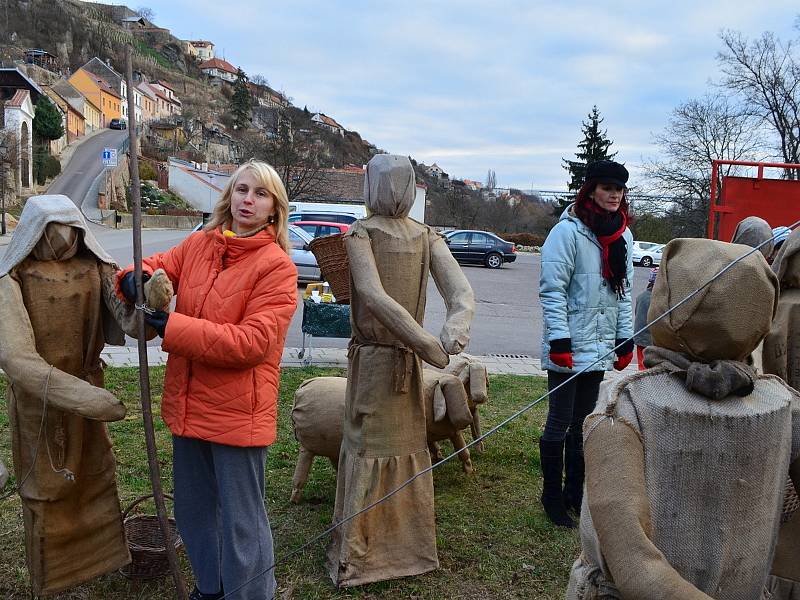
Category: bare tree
[766,73]
[698,132]
[294,155]
[146,13]
[491,180]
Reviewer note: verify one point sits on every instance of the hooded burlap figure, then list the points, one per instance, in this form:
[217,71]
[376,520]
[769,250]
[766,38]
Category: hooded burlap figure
[752,231]
[686,462]
[385,441]
[781,357]
[57,311]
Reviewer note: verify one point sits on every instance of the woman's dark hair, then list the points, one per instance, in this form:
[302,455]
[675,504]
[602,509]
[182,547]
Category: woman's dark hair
[588,211]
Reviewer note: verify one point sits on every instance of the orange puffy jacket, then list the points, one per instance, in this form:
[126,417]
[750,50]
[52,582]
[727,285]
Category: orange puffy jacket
[235,298]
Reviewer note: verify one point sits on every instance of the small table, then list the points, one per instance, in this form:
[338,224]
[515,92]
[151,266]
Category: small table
[323,319]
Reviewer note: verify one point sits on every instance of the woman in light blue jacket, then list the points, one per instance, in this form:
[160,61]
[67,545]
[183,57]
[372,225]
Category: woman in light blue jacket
[585,291]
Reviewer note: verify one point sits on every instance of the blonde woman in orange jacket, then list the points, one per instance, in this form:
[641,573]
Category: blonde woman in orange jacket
[236,291]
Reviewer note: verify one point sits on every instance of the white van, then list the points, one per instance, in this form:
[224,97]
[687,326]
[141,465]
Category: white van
[322,211]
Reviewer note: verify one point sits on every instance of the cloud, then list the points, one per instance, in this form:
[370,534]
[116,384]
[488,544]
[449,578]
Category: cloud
[474,85]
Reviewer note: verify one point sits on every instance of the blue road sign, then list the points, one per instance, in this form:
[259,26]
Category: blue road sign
[109,157]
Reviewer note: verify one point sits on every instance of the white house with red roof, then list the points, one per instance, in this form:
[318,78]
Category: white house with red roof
[201,50]
[217,68]
[326,122]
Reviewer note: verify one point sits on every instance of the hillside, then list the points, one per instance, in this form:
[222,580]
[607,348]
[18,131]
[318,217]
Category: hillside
[74,32]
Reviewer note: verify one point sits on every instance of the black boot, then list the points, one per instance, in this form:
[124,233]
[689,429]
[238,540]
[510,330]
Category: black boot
[198,595]
[574,468]
[552,459]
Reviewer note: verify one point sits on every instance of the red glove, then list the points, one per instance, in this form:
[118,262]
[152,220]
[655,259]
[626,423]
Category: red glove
[562,359]
[623,361]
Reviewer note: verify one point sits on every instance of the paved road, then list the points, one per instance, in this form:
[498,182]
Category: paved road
[84,166]
[508,317]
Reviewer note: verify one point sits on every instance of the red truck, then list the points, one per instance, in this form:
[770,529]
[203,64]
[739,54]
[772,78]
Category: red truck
[777,201]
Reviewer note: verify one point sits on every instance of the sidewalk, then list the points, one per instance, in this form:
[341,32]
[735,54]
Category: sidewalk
[497,364]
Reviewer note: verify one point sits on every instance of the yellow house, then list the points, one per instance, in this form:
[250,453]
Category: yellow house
[98,91]
[93,116]
[76,122]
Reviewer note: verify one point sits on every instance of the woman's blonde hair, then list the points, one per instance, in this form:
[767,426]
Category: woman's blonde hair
[271,181]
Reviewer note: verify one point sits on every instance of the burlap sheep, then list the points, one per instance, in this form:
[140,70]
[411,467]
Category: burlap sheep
[452,398]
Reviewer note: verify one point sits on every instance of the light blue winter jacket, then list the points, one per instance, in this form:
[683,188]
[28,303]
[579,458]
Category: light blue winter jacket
[577,302]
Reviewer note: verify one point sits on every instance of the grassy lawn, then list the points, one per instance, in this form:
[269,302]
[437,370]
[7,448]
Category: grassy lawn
[493,538]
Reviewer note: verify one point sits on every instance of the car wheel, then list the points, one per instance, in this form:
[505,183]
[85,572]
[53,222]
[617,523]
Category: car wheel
[647,261]
[494,261]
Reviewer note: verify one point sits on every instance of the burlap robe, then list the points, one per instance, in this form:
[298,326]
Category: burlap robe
[678,503]
[384,430]
[73,528]
[781,357]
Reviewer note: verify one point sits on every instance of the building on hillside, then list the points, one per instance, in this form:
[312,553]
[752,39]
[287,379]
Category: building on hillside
[74,122]
[105,71]
[149,102]
[41,58]
[167,105]
[328,123]
[167,135]
[218,70]
[13,79]
[100,93]
[17,127]
[475,186]
[201,50]
[134,22]
[91,114]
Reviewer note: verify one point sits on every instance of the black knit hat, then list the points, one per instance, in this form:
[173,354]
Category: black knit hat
[607,171]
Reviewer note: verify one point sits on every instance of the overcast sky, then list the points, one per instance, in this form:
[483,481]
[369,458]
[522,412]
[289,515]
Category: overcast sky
[477,85]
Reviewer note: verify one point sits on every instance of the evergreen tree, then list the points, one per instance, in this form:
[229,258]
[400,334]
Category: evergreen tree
[47,123]
[240,101]
[593,147]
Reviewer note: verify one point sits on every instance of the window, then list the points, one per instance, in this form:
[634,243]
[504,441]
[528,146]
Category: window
[480,239]
[327,230]
[311,229]
[296,241]
[458,238]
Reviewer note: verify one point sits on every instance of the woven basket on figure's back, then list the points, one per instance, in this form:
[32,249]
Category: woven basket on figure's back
[332,260]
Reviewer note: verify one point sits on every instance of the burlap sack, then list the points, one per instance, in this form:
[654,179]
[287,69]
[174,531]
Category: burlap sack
[784,264]
[701,327]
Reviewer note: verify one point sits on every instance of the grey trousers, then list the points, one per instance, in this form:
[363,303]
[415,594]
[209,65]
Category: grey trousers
[219,509]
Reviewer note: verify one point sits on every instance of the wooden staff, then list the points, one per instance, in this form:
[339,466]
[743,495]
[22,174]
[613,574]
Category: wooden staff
[144,372]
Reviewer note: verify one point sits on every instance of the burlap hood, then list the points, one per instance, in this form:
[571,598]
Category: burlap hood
[390,186]
[785,265]
[729,317]
[38,212]
[752,231]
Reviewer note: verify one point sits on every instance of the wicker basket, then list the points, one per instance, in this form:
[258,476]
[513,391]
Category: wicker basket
[146,544]
[332,260]
[790,501]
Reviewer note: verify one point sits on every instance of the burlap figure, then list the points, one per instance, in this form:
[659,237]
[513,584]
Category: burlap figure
[753,231]
[384,442]
[681,501]
[781,357]
[57,310]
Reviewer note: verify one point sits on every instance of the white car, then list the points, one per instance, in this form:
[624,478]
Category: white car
[303,258]
[647,254]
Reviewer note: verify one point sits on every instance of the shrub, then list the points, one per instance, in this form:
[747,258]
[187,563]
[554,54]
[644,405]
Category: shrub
[525,239]
[147,172]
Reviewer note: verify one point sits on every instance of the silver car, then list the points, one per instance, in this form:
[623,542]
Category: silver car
[304,259]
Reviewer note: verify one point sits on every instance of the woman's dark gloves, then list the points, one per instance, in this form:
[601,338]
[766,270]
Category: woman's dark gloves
[158,321]
[561,352]
[128,285]
[624,353]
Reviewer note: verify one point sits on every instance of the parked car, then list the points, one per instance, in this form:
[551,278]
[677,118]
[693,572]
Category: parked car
[303,258]
[647,254]
[480,247]
[328,217]
[118,124]
[319,228]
